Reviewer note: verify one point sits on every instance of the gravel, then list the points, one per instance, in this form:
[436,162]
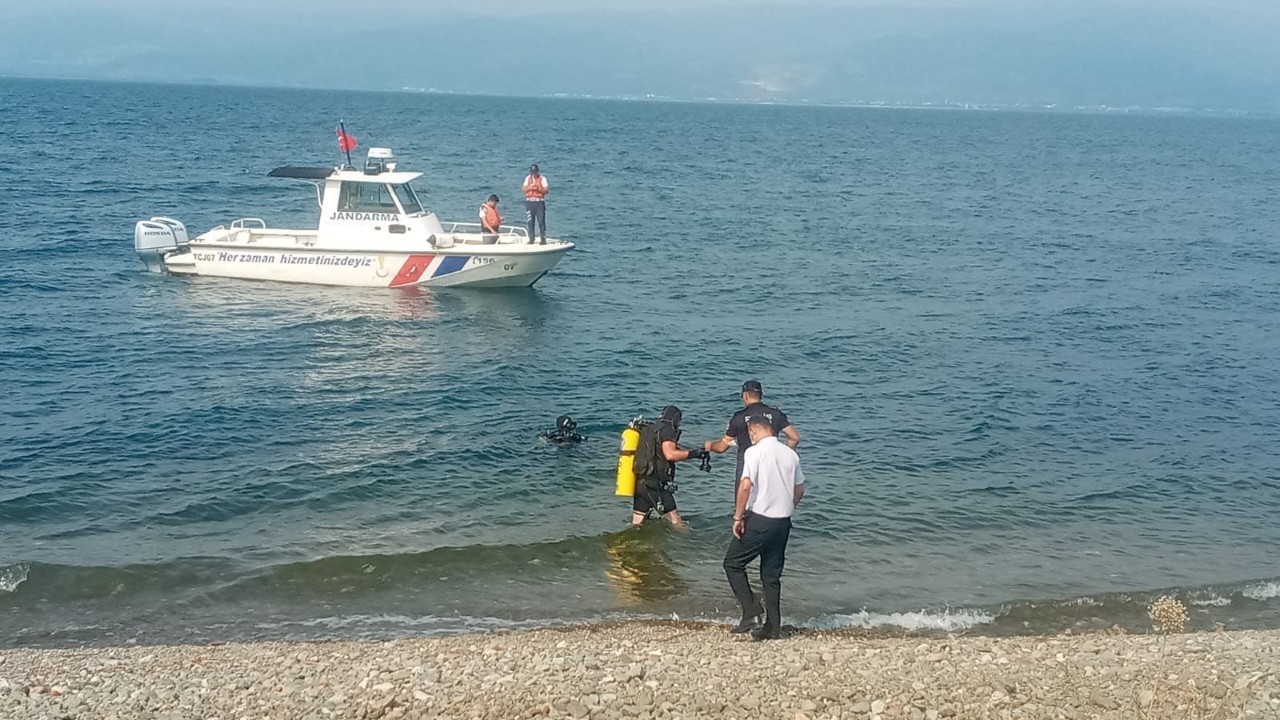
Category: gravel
[658,670]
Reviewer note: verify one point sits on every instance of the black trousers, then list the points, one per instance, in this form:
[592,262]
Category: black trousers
[765,538]
[535,212]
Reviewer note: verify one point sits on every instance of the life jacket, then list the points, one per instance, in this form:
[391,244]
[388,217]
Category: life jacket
[491,217]
[534,187]
[652,467]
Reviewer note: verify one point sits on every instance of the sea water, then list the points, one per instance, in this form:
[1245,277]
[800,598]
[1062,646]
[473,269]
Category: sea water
[1032,358]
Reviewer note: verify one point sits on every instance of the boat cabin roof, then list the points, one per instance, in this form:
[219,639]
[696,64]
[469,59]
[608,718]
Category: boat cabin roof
[318,173]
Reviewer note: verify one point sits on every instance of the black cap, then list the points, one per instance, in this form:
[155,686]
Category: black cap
[753,386]
[534,167]
[671,414]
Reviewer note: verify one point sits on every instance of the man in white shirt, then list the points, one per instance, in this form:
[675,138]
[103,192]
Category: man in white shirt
[768,491]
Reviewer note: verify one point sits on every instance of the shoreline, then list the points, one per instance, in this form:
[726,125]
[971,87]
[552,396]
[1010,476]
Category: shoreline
[659,670]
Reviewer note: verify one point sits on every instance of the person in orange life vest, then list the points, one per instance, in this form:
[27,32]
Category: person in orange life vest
[535,201]
[490,220]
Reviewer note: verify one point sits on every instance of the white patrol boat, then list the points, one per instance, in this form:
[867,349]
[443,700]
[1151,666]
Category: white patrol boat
[373,232]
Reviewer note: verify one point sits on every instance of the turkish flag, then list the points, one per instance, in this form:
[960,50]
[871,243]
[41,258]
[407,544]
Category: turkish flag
[346,143]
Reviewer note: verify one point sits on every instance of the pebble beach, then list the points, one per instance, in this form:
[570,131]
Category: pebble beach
[658,670]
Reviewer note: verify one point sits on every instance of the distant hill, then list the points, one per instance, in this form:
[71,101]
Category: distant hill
[1090,55]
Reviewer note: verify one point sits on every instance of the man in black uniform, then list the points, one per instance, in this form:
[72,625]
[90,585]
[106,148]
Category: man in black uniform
[736,432]
[654,484]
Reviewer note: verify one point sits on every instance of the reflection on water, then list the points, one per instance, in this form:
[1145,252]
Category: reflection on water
[213,298]
[415,303]
[498,307]
[641,570]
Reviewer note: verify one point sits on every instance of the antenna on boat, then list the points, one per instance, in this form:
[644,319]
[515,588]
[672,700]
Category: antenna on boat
[346,143]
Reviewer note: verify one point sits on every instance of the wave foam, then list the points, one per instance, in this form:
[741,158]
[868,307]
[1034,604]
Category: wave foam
[12,576]
[1211,601]
[947,620]
[1262,591]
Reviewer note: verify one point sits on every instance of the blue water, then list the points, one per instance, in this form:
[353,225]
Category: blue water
[1032,358]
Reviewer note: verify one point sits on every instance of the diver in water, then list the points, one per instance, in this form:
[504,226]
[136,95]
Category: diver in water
[655,468]
[564,434]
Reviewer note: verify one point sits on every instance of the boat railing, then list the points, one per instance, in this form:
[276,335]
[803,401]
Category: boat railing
[239,231]
[475,228]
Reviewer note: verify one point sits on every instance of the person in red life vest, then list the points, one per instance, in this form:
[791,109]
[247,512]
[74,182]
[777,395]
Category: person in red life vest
[490,220]
[535,201]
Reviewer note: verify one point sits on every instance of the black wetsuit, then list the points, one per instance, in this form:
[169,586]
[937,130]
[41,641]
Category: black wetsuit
[562,437]
[654,492]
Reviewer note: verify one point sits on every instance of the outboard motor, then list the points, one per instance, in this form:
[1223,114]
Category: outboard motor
[155,238]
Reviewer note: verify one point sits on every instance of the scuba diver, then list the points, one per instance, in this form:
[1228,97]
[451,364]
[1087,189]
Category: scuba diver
[564,434]
[655,470]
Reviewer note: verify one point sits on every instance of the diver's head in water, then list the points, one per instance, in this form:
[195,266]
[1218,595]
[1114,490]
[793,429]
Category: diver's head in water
[565,432]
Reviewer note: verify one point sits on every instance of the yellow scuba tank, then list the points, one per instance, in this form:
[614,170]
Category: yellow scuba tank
[626,486]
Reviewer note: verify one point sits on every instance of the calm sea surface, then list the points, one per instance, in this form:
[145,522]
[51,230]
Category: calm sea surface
[1033,358]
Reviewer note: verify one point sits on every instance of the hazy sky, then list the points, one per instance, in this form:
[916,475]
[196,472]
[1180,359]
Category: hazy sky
[525,7]
[355,10]
[1182,53]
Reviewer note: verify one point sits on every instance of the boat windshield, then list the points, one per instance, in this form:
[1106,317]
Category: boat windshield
[365,197]
[408,199]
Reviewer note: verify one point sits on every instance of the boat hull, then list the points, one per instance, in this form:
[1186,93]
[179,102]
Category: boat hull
[477,266]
